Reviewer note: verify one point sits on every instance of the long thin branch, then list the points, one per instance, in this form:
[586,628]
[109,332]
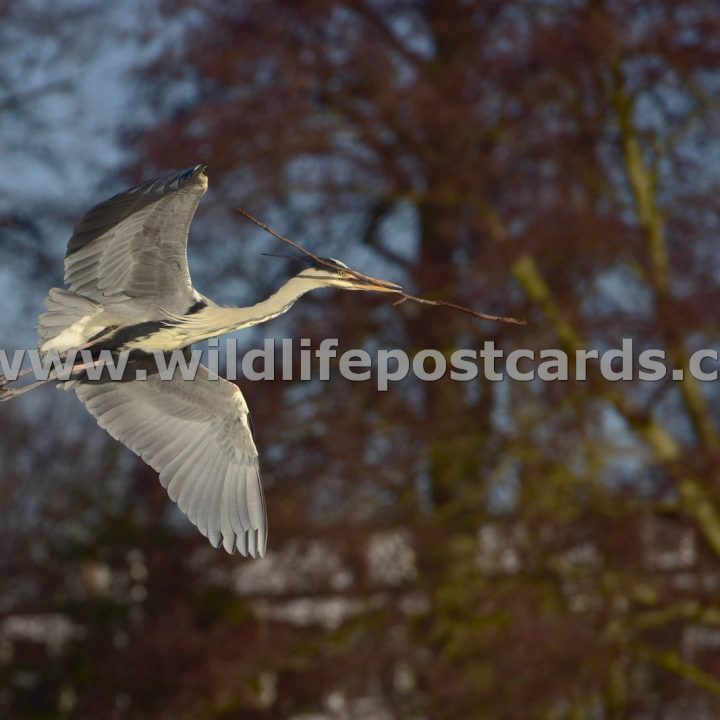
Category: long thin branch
[403,296]
[461,308]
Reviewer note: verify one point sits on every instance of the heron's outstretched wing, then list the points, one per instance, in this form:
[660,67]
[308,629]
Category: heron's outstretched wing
[135,243]
[197,436]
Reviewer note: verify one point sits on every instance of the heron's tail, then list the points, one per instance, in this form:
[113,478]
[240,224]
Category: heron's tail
[64,309]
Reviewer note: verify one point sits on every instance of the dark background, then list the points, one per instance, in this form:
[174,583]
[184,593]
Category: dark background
[442,550]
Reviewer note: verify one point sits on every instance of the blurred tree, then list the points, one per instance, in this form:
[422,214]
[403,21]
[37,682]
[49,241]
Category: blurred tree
[481,550]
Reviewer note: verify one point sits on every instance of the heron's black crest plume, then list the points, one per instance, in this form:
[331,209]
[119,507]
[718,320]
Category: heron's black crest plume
[294,257]
[283,256]
[296,262]
[301,261]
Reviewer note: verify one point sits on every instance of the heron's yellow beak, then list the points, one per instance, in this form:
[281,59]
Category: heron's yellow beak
[358,281]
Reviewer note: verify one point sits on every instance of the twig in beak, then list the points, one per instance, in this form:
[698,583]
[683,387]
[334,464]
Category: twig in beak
[462,308]
[403,296]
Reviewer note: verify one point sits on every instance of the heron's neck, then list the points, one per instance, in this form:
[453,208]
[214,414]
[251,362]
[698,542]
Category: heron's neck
[220,320]
[277,304]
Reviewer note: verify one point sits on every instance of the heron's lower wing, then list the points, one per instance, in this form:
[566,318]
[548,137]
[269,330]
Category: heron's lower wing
[197,435]
[134,245]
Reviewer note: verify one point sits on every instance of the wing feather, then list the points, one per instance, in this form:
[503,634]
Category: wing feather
[134,245]
[239,516]
[226,525]
[214,511]
[175,483]
[197,436]
[254,500]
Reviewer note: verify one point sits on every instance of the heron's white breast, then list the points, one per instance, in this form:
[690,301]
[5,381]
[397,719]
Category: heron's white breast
[163,340]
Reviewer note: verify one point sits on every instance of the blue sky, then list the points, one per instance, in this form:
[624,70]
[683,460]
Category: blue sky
[66,95]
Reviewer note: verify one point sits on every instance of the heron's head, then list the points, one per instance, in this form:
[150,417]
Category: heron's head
[333,273]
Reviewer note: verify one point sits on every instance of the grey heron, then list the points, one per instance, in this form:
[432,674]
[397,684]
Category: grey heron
[129,289]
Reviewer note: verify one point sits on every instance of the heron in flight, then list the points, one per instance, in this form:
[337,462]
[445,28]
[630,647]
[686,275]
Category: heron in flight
[129,289]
